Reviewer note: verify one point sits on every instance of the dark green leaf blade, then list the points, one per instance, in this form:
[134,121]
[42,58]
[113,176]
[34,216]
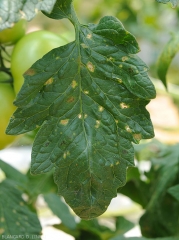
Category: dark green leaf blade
[174,191]
[166,57]
[14,213]
[173,2]
[60,209]
[161,203]
[13,174]
[92,95]
[62,9]
[12,11]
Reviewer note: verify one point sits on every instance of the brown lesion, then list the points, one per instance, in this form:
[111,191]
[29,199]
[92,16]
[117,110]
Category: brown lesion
[30,72]
[64,122]
[70,99]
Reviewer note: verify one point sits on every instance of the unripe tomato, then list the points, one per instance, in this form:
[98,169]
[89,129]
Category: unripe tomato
[7,108]
[10,36]
[28,50]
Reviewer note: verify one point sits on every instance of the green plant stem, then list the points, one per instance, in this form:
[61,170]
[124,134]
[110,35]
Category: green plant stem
[74,20]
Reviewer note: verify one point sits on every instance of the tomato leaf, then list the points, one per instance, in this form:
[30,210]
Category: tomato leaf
[60,209]
[161,204]
[13,216]
[174,191]
[89,98]
[13,174]
[166,57]
[173,2]
[12,11]
[62,9]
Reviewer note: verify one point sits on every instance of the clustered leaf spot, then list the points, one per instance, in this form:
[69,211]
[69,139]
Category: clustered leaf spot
[80,116]
[86,92]
[64,122]
[120,65]
[124,105]
[49,81]
[117,163]
[90,67]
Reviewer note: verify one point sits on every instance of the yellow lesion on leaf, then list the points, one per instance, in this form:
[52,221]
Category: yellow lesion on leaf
[97,124]
[49,81]
[74,84]
[125,58]
[89,36]
[128,129]
[101,109]
[65,154]
[119,80]
[64,122]
[2,219]
[90,67]
[124,105]
[79,116]
[111,59]
[36,10]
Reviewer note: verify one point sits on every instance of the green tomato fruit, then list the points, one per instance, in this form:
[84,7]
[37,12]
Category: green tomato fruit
[10,36]
[28,50]
[7,108]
